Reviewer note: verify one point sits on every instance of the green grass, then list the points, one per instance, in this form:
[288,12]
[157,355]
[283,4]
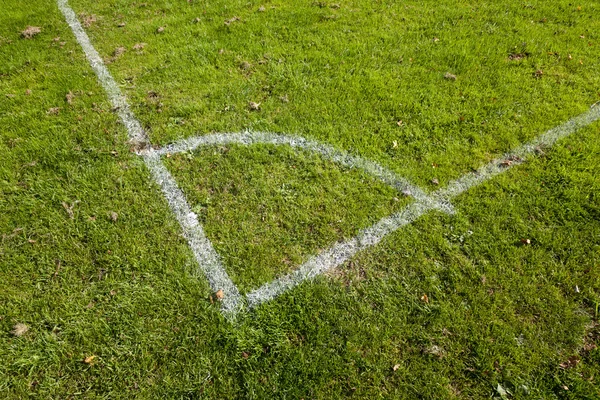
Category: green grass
[128,291]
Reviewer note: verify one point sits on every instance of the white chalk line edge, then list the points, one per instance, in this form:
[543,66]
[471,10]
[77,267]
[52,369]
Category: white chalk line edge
[208,259]
[206,256]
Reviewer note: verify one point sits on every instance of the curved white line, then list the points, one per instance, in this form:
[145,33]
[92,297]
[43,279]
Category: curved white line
[326,151]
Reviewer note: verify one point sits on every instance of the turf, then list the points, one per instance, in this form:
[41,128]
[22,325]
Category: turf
[93,262]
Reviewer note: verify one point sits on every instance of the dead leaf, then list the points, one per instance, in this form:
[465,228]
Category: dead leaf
[449,76]
[261,9]
[69,208]
[517,56]
[254,106]
[119,52]
[571,362]
[220,294]
[231,20]
[69,97]
[424,298]
[139,46]
[525,241]
[89,359]
[435,181]
[245,355]
[284,98]
[53,111]
[30,32]
[19,329]
[160,29]
[396,367]
[88,20]
[196,20]
[399,123]
[113,216]
[28,92]
[538,74]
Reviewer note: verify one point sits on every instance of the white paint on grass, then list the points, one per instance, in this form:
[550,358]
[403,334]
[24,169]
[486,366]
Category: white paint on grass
[341,252]
[205,254]
[207,257]
[327,152]
[137,136]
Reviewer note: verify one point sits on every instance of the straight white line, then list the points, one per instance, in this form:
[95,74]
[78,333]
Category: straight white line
[206,256]
[137,136]
[327,152]
[341,252]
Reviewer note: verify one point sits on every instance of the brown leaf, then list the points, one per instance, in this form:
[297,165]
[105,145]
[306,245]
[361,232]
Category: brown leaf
[571,362]
[449,76]
[525,241]
[119,52]
[245,355]
[68,209]
[220,294]
[254,106]
[231,20]
[30,32]
[88,20]
[424,298]
[19,329]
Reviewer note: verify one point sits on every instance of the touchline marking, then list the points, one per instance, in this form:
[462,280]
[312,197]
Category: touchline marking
[341,252]
[327,152]
[206,256]
[204,253]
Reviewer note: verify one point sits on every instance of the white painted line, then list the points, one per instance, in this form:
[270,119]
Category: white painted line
[205,254]
[341,252]
[207,258]
[327,152]
[137,136]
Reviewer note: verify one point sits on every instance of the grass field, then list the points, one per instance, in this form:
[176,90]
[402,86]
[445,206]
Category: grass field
[499,300]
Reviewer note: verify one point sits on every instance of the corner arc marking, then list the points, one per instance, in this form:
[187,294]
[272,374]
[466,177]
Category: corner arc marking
[328,152]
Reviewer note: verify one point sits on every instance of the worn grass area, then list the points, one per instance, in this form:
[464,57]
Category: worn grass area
[92,261]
